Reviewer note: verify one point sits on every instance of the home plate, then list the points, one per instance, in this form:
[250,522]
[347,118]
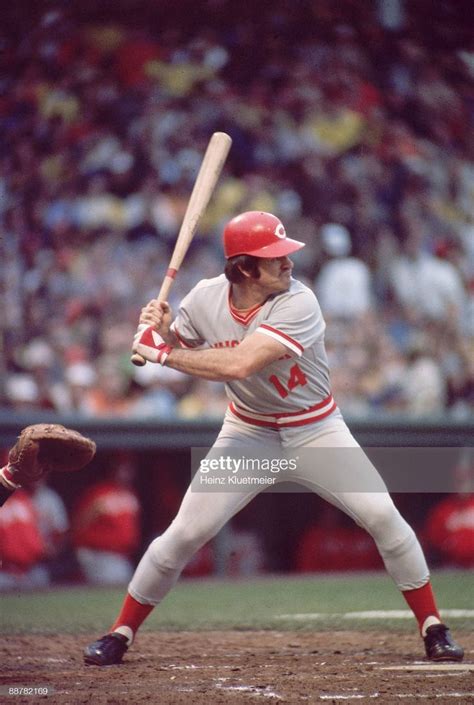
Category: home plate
[430,667]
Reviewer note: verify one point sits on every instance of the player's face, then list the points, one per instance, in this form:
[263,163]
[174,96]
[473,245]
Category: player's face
[275,274]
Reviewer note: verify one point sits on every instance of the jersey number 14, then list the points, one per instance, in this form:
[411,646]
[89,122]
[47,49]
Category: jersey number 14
[297,378]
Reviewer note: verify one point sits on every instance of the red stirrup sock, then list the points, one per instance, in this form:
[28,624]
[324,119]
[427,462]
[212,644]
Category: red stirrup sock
[131,616]
[422,603]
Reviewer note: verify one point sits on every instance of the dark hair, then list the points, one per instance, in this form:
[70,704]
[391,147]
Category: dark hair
[235,265]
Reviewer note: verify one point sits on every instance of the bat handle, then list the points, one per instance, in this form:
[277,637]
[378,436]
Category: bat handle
[138,360]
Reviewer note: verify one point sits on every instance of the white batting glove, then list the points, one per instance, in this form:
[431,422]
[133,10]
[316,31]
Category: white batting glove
[150,344]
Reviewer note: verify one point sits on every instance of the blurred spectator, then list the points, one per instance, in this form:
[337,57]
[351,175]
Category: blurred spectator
[449,527]
[426,285]
[329,544]
[21,545]
[202,563]
[156,396]
[204,400]
[22,392]
[107,396]
[343,285]
[246,554]
[449,530]
[79,378]
[53,526]
[235,552]
[106,525]
[423,386]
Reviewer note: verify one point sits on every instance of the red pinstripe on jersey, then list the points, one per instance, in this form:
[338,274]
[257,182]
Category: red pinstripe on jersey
[294,418]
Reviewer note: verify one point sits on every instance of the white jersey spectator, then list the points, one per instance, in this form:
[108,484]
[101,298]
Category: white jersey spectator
[53,521]
[343,285]
[428,286]
[423,385]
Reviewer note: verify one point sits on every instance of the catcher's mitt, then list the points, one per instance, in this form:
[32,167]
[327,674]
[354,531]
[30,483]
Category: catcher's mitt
[44,447]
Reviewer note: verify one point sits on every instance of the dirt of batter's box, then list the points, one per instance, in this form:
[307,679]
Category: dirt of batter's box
[177,668]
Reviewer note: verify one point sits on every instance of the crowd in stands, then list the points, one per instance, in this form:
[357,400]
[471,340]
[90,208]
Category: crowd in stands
[353,125]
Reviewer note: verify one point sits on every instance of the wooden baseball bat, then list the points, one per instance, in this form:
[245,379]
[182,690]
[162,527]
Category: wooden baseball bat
[206,180]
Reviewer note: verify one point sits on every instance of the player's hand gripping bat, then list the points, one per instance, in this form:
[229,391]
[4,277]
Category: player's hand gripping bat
[206,180]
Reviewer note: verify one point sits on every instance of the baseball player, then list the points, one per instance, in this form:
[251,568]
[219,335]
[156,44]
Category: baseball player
[262,333]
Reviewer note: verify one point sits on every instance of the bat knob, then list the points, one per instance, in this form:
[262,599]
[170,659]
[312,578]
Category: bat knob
[138,360]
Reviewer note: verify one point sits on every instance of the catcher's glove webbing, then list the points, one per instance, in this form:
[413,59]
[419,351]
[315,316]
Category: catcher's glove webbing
[44,447]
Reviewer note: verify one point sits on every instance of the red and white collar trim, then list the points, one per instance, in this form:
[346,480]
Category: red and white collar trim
[242,317]
[318,412]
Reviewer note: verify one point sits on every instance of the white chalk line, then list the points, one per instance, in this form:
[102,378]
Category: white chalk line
[424,696]
[401,696]
[360,696]
[373,614]
[203,667]
[446,674]
[430,667]
[264,691]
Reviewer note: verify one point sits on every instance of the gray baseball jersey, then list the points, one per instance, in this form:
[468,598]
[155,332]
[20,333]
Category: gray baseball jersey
[293,390]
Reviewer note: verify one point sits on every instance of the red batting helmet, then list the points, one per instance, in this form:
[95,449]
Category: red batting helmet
[258,234]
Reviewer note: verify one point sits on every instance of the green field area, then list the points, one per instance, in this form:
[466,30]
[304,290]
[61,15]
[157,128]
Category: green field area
[275,602]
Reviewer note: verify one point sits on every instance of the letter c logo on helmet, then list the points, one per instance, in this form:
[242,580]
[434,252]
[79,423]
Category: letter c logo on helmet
[259,234]
[280,230]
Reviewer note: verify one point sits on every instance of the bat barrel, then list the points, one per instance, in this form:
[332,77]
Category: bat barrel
[206,180]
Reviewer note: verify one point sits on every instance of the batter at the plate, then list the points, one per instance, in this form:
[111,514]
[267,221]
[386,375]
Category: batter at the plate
[262,333]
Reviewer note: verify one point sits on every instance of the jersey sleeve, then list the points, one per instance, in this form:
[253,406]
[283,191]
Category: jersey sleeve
[295,320]
[184,326]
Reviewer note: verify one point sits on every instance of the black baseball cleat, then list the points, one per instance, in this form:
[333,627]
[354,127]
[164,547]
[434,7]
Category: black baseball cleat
[440,646]
[106,651]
